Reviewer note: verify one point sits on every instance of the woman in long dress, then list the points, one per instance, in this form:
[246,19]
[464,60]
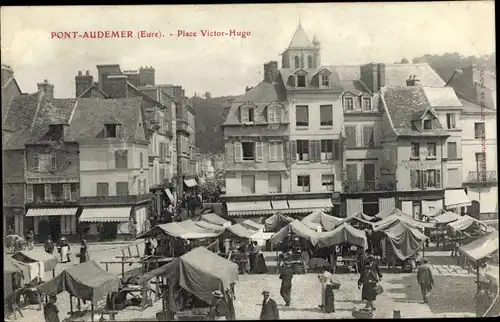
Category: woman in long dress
[369,279]
[64,249]
[84,251]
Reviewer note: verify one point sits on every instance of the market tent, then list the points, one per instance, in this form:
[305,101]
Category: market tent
[215,219]
[208,226]
[463,223]
[405,240]
[175,230]
[11,267]
[252,225]
[433,213]
[31,256]
[358,219]
[86,281]
[446,218]
[240,231]
[299,229]
[482,247]
[319,218]
[394,219]
[344,233]
[276,222]
[388,212]
[199,272]
[193,227]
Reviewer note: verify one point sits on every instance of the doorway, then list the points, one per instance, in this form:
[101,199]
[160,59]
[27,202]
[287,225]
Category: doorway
[43,230]
[370,208]
[55,227]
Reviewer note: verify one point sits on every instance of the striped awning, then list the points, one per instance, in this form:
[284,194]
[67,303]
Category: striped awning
[279,204]
[248,208]
[354,206]
[310,204]
[120,214]
[41,212]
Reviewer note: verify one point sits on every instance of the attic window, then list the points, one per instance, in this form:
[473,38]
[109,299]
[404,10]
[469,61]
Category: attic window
[110,130]
[247,114]
[325,80]
[273,115]
[301,81]
[427,124]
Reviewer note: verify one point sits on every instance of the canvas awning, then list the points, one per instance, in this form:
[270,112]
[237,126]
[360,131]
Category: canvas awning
[191,227]
[279,204]
[276,222]
[31,256]
[190,183]
[456,199]
[120,214]
[209,226]
[482,247]
[240,231]
[299,229]
[215,219]
[310,204]
[344,233]
[248,208]
[447,217]
[388,212]
[175,230]
[252,225]
[170,195]
[463,223]
[326,222]
[405,240]
[41,212]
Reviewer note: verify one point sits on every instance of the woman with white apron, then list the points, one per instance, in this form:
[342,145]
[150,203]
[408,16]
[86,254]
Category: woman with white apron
[325,278]
[64,250]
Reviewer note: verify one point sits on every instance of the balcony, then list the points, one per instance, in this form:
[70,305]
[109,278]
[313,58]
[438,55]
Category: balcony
[368,186]
[52,202]
[183,126]
[116,200]
[481,178]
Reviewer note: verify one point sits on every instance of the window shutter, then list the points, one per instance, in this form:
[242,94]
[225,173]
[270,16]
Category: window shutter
[279,152]
[36,162]
[48,192]
[438,178]
[29,193]
[244,114]
[271,114]
[318,150]
[336,150]
[413,178]
[259,151]
[272,151]
[293,150]
[238,152]
[312,151]
[424,179]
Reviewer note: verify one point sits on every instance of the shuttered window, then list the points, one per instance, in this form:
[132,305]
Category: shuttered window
[67,191]
[303,150]
[350,133]
[122,188]
[53,161]
[102,189]
[29,192]
[238,152]
[48,192]
[293,151]
[368,137]
[259,151]
[121,159]
[275,151]
[274,181]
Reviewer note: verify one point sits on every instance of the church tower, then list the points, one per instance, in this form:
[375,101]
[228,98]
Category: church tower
[301,53]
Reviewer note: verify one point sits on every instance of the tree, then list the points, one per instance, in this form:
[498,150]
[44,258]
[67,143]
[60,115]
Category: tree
[404,61]
[212,187]
[208,95]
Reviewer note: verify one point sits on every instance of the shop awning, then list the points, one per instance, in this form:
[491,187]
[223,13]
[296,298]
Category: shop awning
[456,199]
[447,217]
[248,208]
[310,203]
[121,214]
[41,212]
[279,204]
[482,247]
[169,195]
[190,183]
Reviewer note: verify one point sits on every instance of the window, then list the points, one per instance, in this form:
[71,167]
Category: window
[415,150]
[423,179]
[369,176]
[162,123]
[348,103]
[248,151]
[479,130]
[67,191]
[275,151]
[368,137]
[248,184]
[326,115]
[162,175]
[481,162]
[44,162]
[301,80]
[251,114]
[432,179]
[141,160]
[431,150]
[327,182]
[427,124]
[367,104]
[454,179]
[352,173]
[309,62]
[122,188]
[110,130]
[303,150]
[121,159]
[273,115]
[102,189]
[247,114]
[297,62]
[29,193]
[274,181]
[452,150]
[326,150]
[350,133]
[303,183]
[302,115]
[47,189]
[57,192]
[325,80]
[450,121]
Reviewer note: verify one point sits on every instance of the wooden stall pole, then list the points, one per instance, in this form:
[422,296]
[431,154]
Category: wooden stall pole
[92,311]
[137,248]
[53,273]
[477,275]
[123,268]
[71,304]
[277,262]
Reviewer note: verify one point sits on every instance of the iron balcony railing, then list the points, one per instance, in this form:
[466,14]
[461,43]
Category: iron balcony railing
[477,177]
[368,186]
[116,200]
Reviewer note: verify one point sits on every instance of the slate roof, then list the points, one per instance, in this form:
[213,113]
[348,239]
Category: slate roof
[91,114]
[397,74]
[441,97]
[470,107]
[9,90]
[464,83]
[300,39]
[406,104]
[20,116]
[354,86]
[94,87]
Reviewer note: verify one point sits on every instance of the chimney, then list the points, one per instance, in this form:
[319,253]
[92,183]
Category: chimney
[146,76]
[116,86]
[267,74]
[412,81]
[47,88]
[370,76]
[381,75]
[103,71]
[7,73]
[83,82]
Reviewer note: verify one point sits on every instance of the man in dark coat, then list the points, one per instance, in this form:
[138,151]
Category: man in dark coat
[483,299]
[50,310]
[269,308]
[425,278]
[286,283]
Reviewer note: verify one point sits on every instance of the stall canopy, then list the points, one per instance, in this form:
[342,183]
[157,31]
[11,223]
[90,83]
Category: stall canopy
[306,205]
[388,212]
[447,217]
[463,223]
[482,247]
[298,229]
[319,218]
[215,219]
[343,234]
[456,198]
[433,212]
[393,220]
[31,256]
[249,208]
[276,222]
[190,183]
[241,231]
[405,240]
[175,230]
[199,272]
[252,225]
[10,268]
[209,226]
[359,218]
[86,281]
[192,227]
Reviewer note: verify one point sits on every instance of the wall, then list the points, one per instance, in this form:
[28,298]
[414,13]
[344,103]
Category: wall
[233,182]
[315,171]
[13,177]
[471,146]
[315,129]
[67,160]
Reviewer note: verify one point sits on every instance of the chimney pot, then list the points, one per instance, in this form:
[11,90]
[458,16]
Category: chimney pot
[79,73]
[45,81]
[87,73]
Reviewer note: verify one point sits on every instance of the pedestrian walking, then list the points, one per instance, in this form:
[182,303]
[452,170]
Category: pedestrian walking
[269,308]
[425,279]
[49,246]
[369,279]
[483,299]
[218,307]
[286,283]
[50,310]
[64,249]
[30,240]
[84,251]
[325,278]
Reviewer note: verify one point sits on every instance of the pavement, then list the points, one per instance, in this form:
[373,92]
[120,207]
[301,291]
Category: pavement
[305,293]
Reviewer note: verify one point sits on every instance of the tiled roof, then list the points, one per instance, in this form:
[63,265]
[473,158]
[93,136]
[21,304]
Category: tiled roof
[406,104]
[347,72]
[300,39]
[20,116]
[442,97]
[353,86]
[464,83]
[397,74]
[9,90]
[94,87]
[469,107]
[91,114]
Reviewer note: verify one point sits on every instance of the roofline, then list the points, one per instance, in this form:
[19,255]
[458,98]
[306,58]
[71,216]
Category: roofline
[386,110]
[424,135]
[144,95]
[95,87]
[12,79]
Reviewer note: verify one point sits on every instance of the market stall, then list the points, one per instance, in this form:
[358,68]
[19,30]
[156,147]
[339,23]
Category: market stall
[389,212]
[276,222]
[440,234]
[252,225]
[188,283]
[38,262]
[361,221]
[86,281]
[215,219]
[318,220]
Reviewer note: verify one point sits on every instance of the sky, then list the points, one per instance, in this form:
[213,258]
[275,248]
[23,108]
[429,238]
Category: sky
[350,33]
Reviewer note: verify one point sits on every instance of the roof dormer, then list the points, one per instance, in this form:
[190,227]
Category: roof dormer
[301,78]
[111,128]
[274,113]
[247,113]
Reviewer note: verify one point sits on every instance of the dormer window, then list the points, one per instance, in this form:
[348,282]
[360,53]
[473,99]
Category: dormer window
[247,115]
[325,81]
[273,115]
[349,103]
[427,124]
[110,130]
[367,103]
[56,132]
[301,80]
